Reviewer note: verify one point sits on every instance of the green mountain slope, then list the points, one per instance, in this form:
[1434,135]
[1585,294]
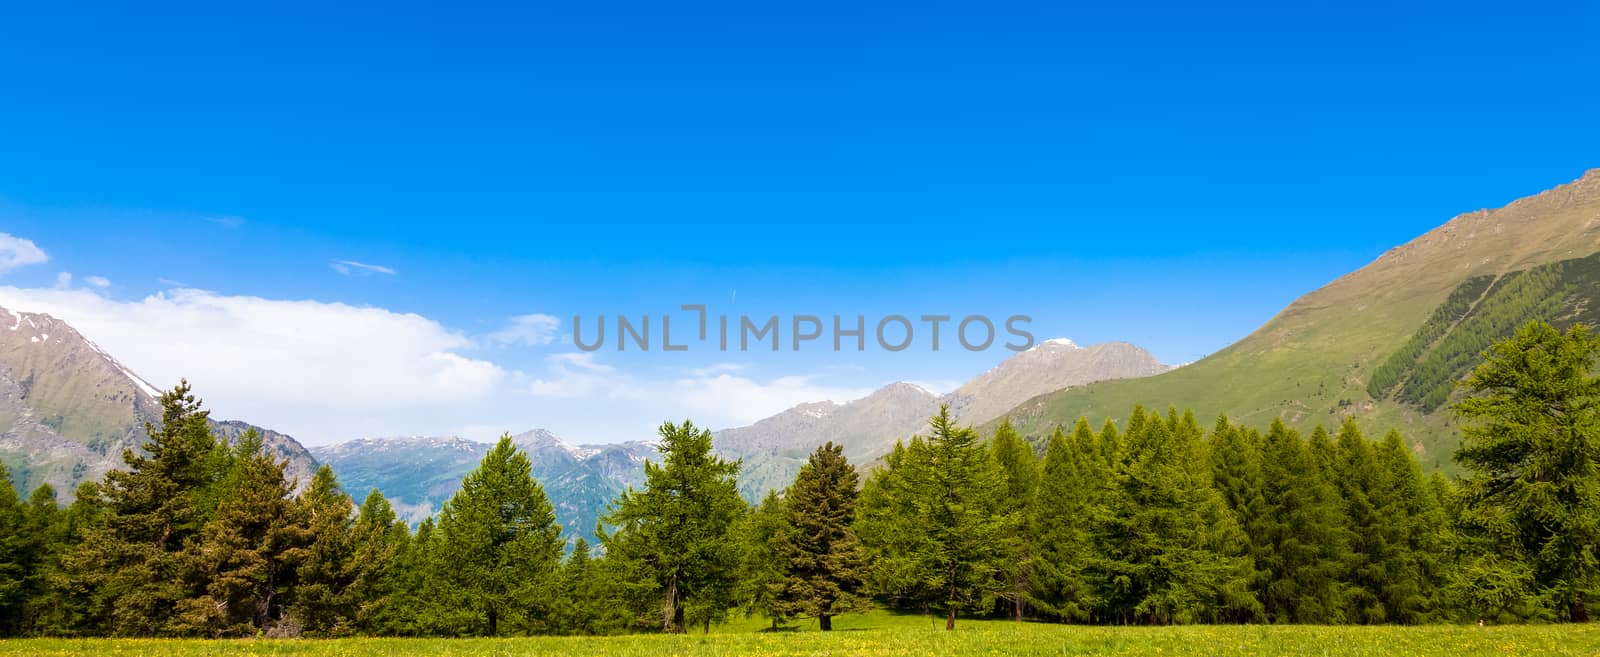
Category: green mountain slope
[1384,343]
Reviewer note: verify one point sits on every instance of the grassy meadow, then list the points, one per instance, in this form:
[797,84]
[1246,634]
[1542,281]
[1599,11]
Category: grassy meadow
[885,635]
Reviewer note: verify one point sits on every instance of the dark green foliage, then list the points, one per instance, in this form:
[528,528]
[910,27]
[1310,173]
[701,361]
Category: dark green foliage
[1478,313]
[1531,507]
[1300,543]
[1021,470]
[499,548]
[377,538]
[1393,369]
[822,563]
[578,608]
[239,573]
[1071,487]
[675,534]
[320,602]
[933,522]
[128,565]
[1166,547]
[14,557]
[762,570]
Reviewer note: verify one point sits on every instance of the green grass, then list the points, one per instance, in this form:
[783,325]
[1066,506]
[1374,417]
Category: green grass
[881,634]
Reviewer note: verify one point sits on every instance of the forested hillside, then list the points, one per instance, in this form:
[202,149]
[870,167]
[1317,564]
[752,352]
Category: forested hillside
[1383,343]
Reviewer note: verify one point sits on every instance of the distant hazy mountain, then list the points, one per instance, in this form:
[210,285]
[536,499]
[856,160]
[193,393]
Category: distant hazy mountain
[1387,342]
[68,409]
[773,449]
[418,474]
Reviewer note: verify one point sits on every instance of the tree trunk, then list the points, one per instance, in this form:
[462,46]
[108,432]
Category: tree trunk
[1017,607]
[1578,608]
[671,615]
[950,617]
[826,622]
[494,623]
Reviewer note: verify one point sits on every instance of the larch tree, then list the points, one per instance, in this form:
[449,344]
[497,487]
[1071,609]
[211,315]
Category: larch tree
[500,546]
[1021,470]
[1532,445]
[320,601]
[933,521]
[677,530]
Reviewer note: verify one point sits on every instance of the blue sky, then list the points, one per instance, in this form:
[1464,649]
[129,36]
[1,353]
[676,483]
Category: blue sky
[1170,175]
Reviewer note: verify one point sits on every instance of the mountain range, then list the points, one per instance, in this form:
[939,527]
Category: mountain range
[773,449]
[417,474]
[1384,344]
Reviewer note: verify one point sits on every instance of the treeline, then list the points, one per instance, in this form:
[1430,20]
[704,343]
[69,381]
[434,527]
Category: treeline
[1157,520]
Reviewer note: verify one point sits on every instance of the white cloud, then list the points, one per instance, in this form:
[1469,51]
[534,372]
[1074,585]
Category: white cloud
[352,268]
[535,329]
[18,252]
[713,395]
[230,222]
[98,281]
[737,400]
[318,371]
[63,280]
[577,375]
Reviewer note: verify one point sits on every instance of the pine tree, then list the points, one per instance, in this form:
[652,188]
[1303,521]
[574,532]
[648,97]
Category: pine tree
[377,538]
[677,530]
[501,544]
[1412,522]
[128,565]
[761,570]
[325,573]
[1236,470]
[1068,495]
[581,598]
[1300,542]
[14,566]
[937,527]
[1532,446]
[417,581]
[1020,467]
[1372,564]
[822,559]
[240,572]
[1166,548]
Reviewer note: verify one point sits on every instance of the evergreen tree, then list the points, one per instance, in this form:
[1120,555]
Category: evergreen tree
[501,546]
[14,566]
[823,563]
[417,581]
[937,527]
[762,570]
[377,538]
[128,565]
[676,532]
[320,600]
[239,573]
[1236,471]
[1020,467]
[581,599]
[1373,562]
[1068,496]
[1301,548]
[1413,519]
[1532,502]
[1167,549]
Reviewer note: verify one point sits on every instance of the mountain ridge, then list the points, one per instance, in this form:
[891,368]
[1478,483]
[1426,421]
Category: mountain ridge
[1311,362]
